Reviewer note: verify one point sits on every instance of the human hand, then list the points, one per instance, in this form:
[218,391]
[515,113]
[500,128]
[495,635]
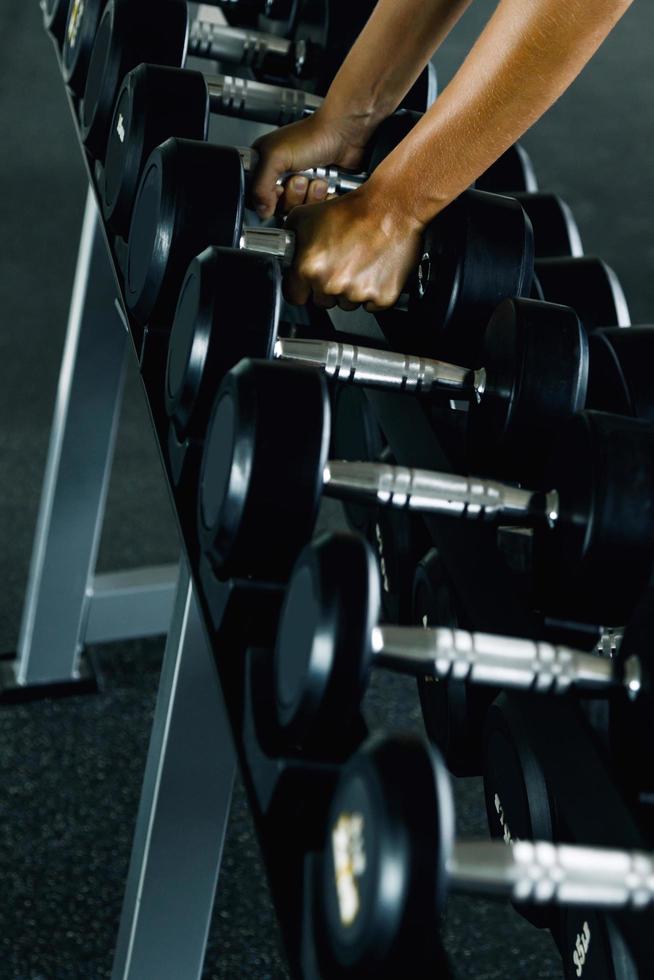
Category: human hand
[355,250]
[317,141]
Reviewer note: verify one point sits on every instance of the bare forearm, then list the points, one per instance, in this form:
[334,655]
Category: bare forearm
[526,57]
[389,54]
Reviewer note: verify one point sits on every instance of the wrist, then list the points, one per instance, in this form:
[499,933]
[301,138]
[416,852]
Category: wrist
[393,195]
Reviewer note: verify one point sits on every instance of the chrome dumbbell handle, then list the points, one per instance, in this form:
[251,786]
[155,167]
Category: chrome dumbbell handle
[338,181]
[270,241]
[247,99]
[383,369]
[237,45]
[502,661]
[442,493]
[562,874]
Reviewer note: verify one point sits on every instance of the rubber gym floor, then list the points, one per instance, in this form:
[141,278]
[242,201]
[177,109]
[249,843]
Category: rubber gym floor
[70,770]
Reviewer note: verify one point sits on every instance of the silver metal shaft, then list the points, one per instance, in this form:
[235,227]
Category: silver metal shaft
[238,45]
[503,661]
[270,241]
[442,493]
[544,873]
[383,369]
[338,181]
[242,97]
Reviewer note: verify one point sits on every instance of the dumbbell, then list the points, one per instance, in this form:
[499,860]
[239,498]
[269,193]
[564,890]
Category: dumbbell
[535,358]
[54,18]
[128,34]
[390,858]
[534,354]
[329,639]
[593,527]
[206,35]
[181,208]
[520,806]
[587,284]
[512,172]
[555,230]
[319,37]
[619,378]
[155,103]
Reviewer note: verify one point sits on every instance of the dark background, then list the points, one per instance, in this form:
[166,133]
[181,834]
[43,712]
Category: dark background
[70,771]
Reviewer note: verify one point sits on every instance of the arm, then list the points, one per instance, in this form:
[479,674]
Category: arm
[527,56]
[361,248]
[368,87]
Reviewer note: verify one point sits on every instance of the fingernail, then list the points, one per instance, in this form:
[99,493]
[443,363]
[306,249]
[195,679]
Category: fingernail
[300,184]
[320,191]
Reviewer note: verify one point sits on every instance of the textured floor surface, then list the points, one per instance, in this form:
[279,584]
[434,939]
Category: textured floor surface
[70,771]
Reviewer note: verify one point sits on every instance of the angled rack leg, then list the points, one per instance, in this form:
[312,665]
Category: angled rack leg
[77,470]
[183,812]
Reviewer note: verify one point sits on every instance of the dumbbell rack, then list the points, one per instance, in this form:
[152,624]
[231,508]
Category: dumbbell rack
[205,718]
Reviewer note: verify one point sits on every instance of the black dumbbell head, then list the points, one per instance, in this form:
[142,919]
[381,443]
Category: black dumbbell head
[597,560]
[555,230]
[620,377]
[593,947]
[81,26]
[389,836]
[323,652]
[262,468]
[153,104]
[128,34]
[190,196]
[589,286]
[517,798]
[536,361]
[215,326]
[477,252]
[512,173]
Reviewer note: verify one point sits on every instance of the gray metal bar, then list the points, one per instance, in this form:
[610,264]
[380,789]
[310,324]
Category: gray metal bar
[77,469]
[128,604]
[183,812]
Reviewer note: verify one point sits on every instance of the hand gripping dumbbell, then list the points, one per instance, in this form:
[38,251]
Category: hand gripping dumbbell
[155,103]
[329,638]
[265,468]
[475,253]
[390,858]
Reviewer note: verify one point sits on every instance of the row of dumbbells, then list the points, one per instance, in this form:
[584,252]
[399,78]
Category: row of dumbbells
[254,454]
[259,468]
